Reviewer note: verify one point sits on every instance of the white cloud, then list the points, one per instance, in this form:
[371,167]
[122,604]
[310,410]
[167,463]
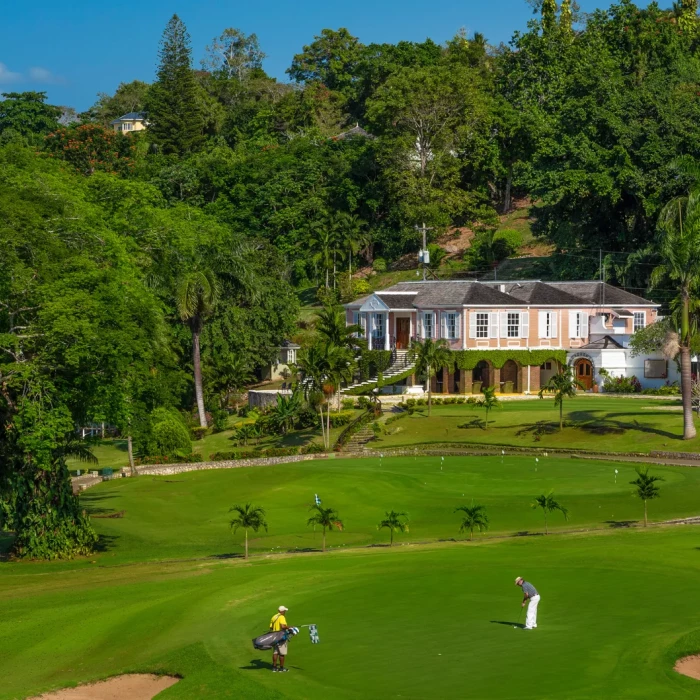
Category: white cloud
[7,76]
[38,74]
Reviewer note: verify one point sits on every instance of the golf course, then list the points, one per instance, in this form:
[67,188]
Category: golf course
[433,616]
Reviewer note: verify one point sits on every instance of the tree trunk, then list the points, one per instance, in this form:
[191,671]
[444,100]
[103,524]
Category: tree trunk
[130,451]
[323,429]
[196,362]
[507,199]
[561,416]
[471,534]
[328,428]
[391,538]
[686,390]
[430,391]
[246,544]
[324,539]
[645,513]
[546,529]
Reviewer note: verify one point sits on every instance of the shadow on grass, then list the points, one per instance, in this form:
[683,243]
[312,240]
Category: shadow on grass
[257,665]
[620,523]
[226,555]
[539,429]
[106,543]
[474,423]
[589,422]
[90,501]
[509,624]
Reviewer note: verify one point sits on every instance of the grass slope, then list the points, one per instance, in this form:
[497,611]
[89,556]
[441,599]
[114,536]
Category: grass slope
[599,423]
[186,515]
[420,622]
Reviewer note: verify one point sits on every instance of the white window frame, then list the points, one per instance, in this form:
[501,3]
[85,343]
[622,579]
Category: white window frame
[481,324]
[428,325]
[378,324]
[548,324]
[451,321]
[639,326]
[513,324]
[578,324]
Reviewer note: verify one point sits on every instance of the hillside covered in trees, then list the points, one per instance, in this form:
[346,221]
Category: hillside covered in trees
[147,275]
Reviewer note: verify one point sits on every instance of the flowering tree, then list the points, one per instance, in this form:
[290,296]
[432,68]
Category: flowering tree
[91,147]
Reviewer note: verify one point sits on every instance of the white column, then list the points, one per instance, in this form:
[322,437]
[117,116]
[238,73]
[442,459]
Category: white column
[465,328]
[386,332]
[528,379]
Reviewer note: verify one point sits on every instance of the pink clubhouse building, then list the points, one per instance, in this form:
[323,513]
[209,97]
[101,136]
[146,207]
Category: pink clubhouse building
[591,321]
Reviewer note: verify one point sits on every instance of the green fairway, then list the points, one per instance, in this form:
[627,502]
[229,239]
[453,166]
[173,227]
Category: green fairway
[420,622]
[187,514]
[593,423]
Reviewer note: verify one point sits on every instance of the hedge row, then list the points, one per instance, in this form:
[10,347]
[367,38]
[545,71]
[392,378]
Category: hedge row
[469,359]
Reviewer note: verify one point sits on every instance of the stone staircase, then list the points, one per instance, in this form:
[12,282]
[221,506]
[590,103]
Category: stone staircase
[401,363]
[358,441]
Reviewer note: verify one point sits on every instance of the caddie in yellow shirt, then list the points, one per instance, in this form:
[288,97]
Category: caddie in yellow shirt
[277,624]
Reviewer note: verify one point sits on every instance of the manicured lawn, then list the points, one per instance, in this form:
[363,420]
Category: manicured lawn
[421,622]
[186,515]
[594,423]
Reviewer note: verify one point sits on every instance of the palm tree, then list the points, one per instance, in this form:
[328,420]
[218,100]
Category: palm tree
[489,402]
[284,415]
[327,518]
[647,489]
[333,329]
[249,517]
[196,296]
[430,357]
[549,504]
[564,385]
[474,517]
[394,521]
[679,248]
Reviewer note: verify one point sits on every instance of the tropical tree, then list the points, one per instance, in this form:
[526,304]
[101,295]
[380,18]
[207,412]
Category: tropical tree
[679,248]
[430,356]
[394,521]
[647,489]
[196,296]
[549,504]
[474,516]
[248,517]
[489,402]
[285,413]
[333,329]
[327,518]
[564,385]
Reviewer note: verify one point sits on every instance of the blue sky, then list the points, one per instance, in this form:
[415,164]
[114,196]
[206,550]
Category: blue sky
[73,50]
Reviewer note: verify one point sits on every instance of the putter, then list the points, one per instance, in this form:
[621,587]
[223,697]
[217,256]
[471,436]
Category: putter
[520,614]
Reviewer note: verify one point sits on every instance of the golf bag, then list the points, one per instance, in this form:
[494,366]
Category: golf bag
[270,640]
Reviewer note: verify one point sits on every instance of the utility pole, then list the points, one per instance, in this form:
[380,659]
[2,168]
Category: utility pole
[424,256]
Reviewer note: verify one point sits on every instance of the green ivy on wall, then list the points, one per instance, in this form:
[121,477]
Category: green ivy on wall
[469,359]
[373,361]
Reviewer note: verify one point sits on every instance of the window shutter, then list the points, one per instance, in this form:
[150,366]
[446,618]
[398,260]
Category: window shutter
[493,324]
[524,324]
[553,320]
[504,324]
[584,324]
[363,323]
[542,325]
[472,324]
[458,325]
[419,324]
[443,325]
[572,323]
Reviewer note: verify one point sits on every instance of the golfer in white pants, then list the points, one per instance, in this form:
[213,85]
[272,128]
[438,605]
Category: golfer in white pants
[532,598]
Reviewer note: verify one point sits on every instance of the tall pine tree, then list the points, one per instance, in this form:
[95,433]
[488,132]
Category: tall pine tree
[176,123]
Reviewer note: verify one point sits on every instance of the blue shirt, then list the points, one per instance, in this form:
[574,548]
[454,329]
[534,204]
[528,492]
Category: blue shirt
[529,589]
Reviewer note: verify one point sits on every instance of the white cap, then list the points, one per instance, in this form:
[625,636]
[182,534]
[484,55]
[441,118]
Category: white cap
[518,578]
[282,608]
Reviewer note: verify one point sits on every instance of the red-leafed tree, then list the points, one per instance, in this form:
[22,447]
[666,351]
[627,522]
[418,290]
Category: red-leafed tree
[91,147]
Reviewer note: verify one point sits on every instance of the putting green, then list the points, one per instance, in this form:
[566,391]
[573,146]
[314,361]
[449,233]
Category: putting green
[420,621]
[186,515]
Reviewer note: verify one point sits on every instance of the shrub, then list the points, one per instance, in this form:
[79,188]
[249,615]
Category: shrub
[313,448]
[379,265]
[621,385]
[508,241]
[348,404]
[198,433]
[168,434]
[461,399]
[666,390]
[220,420]
[362,402]
[471,400]
[437,401]
[174,459]
[421,402]
[340,419]
[279,451]
[360,288]
[395,417]
[410,402]
[228,456]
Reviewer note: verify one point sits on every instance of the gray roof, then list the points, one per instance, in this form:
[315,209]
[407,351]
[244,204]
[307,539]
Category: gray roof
[130,116]
[290,345]
[457,293]
[599,293]
[398,301]
[604,343]
[356,132]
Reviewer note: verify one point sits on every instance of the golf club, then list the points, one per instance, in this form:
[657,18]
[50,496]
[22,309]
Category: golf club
[520,614]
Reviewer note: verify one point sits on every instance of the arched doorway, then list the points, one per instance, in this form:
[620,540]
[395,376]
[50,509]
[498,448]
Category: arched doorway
[482,373]
[583,369]
[509,373]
